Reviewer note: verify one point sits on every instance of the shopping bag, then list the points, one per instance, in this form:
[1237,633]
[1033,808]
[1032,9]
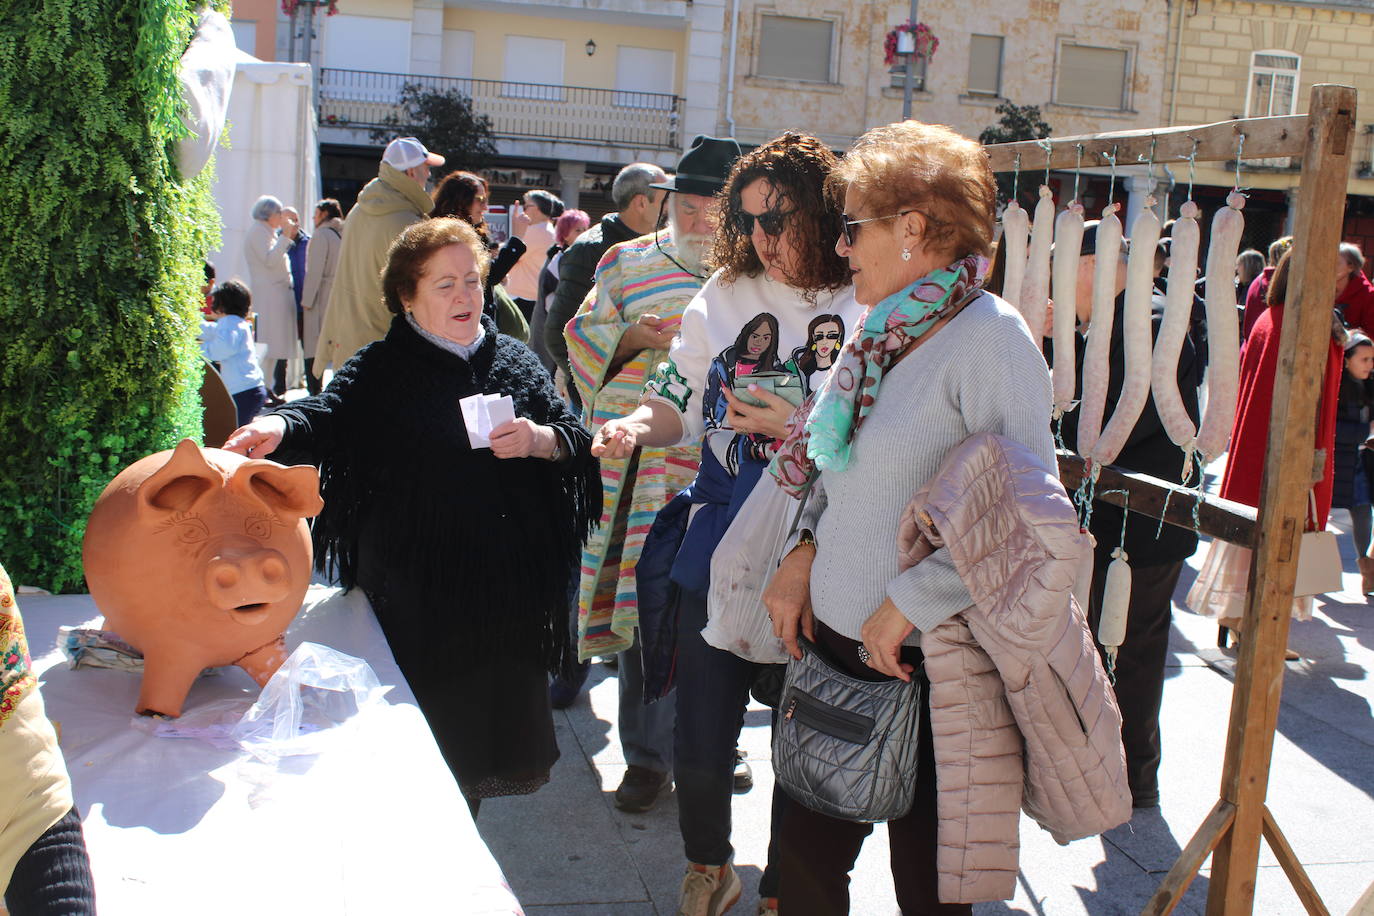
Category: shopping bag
[1319,564]
[742,565]
[1319,559]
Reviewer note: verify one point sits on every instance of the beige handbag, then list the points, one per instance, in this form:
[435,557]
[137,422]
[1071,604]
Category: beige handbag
[1319,559]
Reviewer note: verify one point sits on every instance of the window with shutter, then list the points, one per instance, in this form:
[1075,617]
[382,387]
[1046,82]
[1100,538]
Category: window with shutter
[1273,84]
[1092,77]
[795,49]
[245,35]
[533,68]
[644,77]
[985,65]
[456,59]
[367,43]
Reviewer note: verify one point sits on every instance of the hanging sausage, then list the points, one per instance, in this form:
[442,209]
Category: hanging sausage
[1223,336]
[1035,289]
[1068,243]
[1015,229]
[1178,313]
[1095,369]
[1135,331]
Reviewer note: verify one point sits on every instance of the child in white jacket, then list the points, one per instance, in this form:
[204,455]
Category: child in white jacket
[228,341]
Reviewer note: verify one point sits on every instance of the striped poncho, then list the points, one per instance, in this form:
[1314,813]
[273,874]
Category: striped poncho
[635,278]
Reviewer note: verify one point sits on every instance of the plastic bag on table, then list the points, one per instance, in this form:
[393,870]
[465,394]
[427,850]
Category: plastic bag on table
[741,567]
[317,689]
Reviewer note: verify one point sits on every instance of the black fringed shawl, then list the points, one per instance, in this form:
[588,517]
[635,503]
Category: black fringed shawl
[470,555]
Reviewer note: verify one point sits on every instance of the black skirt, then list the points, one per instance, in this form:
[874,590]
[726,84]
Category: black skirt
[491,719]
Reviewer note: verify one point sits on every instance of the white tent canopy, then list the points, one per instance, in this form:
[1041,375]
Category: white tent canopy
[271,149]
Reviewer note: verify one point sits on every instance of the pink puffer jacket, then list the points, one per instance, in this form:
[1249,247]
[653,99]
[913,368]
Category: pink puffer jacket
[1014,675]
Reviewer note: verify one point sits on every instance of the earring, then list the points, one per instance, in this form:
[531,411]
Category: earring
[906,254]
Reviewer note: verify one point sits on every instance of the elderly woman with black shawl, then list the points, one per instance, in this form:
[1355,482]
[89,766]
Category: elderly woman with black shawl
[464,551]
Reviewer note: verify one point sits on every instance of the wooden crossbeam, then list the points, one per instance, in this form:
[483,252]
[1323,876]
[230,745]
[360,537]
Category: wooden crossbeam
[1217,518]
[1219,142]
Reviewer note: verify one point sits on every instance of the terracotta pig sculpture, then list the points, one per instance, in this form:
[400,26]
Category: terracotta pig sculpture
[201,557]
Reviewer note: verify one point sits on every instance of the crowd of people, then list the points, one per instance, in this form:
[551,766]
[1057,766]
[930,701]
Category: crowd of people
[778,320]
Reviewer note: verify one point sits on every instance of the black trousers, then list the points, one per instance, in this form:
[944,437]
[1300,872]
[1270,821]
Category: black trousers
[816,852]
[1140,667]
[312,384]
[53,878]
[711,695]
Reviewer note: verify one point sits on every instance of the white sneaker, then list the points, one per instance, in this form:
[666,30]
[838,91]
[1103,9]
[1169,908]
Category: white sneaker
[708,891]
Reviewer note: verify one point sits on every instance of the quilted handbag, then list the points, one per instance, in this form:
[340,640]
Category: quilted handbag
[843,746]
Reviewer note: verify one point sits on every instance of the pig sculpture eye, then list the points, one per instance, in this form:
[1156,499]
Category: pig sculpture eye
[189,528]
[258,526]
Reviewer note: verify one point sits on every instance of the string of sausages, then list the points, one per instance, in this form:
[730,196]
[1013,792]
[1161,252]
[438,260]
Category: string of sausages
[1050,262]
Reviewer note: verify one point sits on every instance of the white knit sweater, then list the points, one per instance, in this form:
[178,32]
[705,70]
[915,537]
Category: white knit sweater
[981,372]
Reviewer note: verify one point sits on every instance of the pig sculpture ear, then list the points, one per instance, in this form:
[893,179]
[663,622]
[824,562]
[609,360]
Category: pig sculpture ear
[177,485]
[292,492]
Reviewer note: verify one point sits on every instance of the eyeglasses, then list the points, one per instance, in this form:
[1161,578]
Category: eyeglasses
[771,222]
[847,225]
[825,335]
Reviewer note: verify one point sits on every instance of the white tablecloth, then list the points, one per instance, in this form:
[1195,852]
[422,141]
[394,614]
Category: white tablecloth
[178,826]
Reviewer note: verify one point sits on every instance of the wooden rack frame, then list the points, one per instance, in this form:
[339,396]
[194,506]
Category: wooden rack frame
[1323,138]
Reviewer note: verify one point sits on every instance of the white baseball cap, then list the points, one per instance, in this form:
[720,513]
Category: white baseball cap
[406,152]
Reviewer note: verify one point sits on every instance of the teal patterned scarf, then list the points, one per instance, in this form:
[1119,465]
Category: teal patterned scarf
[821,439]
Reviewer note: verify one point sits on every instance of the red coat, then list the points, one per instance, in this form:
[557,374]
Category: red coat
[1250,432]
[1254,301]
[1357,302]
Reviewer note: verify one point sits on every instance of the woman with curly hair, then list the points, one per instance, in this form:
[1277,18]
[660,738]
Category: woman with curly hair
[777,267]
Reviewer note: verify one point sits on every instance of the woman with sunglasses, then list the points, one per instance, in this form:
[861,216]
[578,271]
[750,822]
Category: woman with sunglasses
[777,266]
[936,360]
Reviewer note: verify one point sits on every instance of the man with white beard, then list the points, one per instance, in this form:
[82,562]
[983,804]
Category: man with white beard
[616,340]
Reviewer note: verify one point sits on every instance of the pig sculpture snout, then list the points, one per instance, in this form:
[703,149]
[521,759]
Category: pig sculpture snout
[245,578]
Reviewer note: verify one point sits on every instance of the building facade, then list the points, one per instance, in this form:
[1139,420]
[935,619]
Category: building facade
[575,89]
[818,65]
[1234,59]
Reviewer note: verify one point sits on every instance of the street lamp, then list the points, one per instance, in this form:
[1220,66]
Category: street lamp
[308,37]
[906,44]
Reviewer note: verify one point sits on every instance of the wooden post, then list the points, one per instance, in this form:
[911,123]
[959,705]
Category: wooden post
[1304,343]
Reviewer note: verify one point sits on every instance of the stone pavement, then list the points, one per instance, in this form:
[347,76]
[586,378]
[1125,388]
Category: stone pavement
[567,851]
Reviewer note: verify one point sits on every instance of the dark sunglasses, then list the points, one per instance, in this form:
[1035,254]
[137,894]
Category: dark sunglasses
[771,222]
[848,227]
[826,335]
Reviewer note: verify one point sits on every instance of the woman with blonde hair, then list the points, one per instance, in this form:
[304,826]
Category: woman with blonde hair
[936,360]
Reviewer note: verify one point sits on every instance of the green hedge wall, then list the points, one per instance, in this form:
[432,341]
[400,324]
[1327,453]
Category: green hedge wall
[100,264]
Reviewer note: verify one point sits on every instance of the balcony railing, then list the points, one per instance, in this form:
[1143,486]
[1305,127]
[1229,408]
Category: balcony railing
[518,111]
